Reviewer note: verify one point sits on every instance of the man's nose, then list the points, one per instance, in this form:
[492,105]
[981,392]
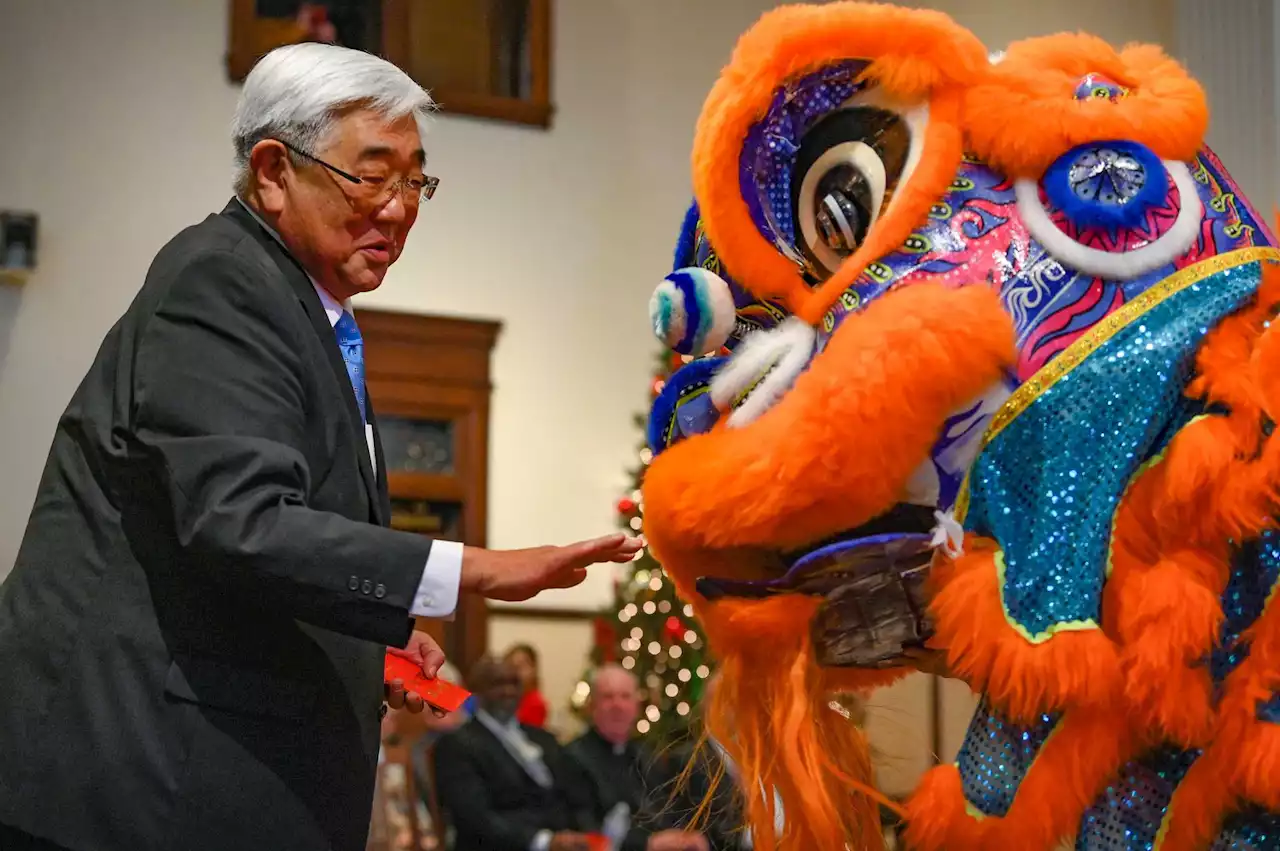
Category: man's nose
[395,210]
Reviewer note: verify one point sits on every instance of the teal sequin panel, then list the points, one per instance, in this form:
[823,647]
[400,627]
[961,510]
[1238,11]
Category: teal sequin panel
[996,756]
[1048,484]
[1127,815]
[1255,569]
[1254,830]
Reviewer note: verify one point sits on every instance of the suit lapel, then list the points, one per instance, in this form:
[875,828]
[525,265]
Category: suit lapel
[500,751]
[302,287]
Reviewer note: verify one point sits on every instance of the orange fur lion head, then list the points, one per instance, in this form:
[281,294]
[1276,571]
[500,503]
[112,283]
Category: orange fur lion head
[909,281]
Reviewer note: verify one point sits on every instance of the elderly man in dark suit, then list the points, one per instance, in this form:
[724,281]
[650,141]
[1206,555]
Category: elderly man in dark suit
[192,638]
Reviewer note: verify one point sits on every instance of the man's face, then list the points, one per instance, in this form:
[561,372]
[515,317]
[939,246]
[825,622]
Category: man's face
[345,234]
[615,705]
[499,692]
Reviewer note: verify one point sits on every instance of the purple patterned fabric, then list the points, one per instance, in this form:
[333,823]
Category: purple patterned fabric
[769,152]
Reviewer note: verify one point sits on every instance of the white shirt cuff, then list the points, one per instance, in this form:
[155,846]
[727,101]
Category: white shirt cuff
[437,595]
[541,841]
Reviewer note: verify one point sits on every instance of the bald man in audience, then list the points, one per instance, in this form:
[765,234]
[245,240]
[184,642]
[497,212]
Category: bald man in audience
[626,773]
[506,786]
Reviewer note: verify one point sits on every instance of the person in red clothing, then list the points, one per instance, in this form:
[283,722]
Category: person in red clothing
[533,706]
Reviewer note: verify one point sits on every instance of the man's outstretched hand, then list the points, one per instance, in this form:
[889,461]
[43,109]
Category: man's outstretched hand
[423,650]
[514,575]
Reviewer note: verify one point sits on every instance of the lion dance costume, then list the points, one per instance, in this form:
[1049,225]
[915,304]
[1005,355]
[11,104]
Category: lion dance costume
[985,363]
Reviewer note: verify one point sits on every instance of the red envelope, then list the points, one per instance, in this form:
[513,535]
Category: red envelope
[598,842]
[438,693]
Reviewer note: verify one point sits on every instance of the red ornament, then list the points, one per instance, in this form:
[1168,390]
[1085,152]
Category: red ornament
[606,640]
[626,505]
[673,629]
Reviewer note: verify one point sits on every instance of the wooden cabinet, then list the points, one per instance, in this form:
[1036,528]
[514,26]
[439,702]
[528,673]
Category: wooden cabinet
[429,382]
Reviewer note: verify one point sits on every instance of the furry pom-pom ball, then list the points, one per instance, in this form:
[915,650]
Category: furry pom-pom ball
[692,311]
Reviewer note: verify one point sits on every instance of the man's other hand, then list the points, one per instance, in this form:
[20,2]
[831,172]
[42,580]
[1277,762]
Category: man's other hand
[514,575]
[422,650]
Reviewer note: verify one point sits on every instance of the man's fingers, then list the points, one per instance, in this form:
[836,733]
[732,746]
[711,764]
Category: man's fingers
[395,694]
[570,578]
[413,702]
[432,659]
[610,548]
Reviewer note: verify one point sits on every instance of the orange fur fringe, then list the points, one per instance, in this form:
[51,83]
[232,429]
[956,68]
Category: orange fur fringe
[1070,771]
[1034,85]
[793,477]
[1071,669]
[770,709]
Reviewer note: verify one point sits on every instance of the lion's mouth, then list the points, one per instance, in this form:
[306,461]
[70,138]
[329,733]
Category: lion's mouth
[898,542]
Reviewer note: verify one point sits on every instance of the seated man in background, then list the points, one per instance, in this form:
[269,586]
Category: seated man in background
[505,786]
[626,772]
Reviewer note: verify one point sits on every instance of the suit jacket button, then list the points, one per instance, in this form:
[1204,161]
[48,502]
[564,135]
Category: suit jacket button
[353,583]
[380,591]
[366,587]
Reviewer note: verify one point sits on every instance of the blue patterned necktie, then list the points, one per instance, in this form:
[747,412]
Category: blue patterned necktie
[351,344]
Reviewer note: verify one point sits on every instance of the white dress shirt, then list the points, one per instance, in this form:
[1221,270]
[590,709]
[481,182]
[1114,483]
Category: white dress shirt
[437,595]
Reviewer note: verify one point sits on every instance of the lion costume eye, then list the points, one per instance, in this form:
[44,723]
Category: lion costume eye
[847,169]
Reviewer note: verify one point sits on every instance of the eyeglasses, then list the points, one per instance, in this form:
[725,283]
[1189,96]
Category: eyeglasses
[375,191]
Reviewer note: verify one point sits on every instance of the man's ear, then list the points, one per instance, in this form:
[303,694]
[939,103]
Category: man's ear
[270,167]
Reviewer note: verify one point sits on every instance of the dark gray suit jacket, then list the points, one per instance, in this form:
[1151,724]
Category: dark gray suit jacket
[192,638]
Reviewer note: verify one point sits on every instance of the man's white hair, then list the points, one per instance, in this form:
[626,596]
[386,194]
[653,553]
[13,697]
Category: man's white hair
[296,93]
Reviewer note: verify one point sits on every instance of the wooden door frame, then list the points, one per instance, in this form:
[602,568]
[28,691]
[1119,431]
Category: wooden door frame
[438,368]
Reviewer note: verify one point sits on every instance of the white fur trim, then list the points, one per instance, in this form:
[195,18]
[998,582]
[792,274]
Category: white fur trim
[1116,266]
[786,349]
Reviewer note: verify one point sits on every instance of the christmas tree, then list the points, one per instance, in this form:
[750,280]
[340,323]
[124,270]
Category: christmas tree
[647,629]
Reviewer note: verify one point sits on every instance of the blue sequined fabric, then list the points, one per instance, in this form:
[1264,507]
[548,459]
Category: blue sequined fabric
[1255,571]
[996,756]
[1047,485]
[769,152]
[1127,816]
[1250,831]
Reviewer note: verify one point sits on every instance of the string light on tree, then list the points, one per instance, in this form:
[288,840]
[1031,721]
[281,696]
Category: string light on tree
[651,626]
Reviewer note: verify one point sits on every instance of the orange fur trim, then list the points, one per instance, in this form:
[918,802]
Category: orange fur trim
[915,54]
[1254,744]
[1033,88]
[937,819]
[1162,605]
[1198,806]
[1243,762]
[1237,365]
[1070,669]
[794,476]
[770,710]
[1067,775]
